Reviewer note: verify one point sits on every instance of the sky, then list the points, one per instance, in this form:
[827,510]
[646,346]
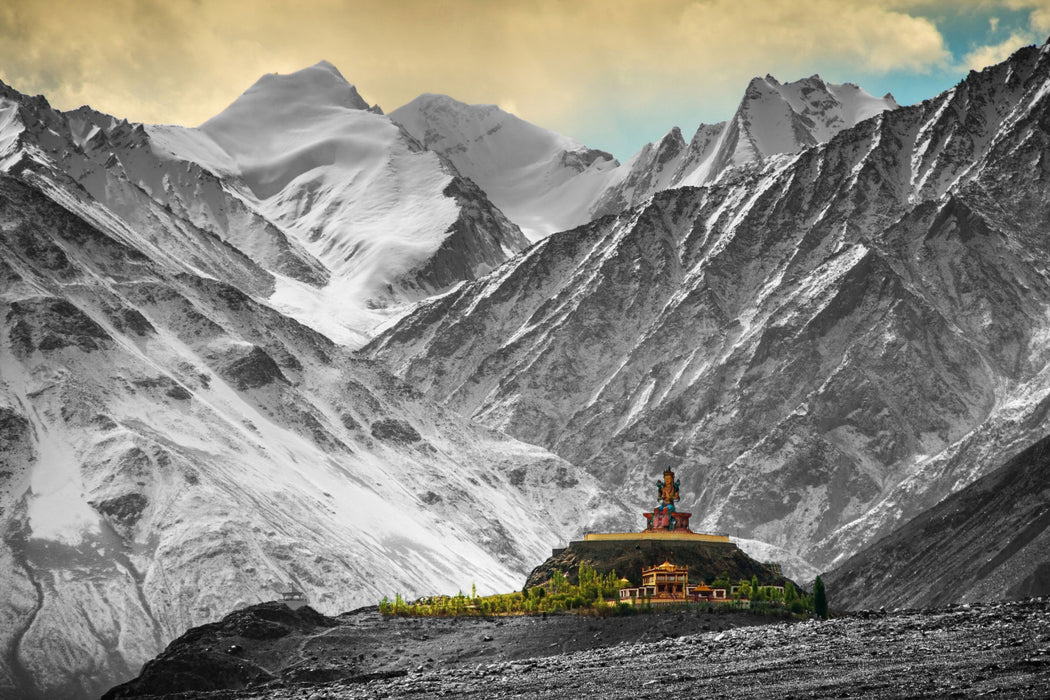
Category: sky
[614,74]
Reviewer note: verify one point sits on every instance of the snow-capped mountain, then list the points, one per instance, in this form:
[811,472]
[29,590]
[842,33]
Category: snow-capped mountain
[543,181]
[824,345]
[384,215]
[172,445]
[350,214]
[772,119]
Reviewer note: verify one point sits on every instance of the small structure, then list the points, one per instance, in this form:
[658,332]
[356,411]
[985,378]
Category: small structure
[705,594]
[776,592]
[293,599]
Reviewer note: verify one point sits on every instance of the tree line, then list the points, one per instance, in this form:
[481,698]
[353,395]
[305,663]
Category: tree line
[599,594]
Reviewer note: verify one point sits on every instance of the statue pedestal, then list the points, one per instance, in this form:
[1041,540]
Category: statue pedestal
[667,519]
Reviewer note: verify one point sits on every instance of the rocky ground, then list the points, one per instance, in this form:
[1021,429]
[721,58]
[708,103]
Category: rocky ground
[968,651]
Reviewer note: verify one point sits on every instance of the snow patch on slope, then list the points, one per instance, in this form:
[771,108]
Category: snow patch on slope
[542,181]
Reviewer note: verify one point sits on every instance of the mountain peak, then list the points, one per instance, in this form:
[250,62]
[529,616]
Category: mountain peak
[319,86]
[430,103]
[816,82]
[674,135]
[326,66]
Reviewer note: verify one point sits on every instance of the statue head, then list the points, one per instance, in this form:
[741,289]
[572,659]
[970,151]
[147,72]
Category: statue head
[668,492]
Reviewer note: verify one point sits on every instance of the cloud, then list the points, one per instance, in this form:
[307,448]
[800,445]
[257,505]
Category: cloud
[182,61]
[1039,14]
[1038,26]
[984,56]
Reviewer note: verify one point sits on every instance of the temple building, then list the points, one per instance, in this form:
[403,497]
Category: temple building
[667,580]
[668,583]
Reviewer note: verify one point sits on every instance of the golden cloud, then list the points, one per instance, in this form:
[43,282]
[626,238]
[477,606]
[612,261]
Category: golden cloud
[1039,14]
[183,61]
[1038,25]
[984,56]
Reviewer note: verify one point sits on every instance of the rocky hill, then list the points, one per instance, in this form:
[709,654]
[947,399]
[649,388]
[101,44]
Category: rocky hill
[828,344]
[989,541]
[707,561]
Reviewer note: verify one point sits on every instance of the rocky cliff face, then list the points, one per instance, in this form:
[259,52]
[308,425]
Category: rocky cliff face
[989,541]
[831,342]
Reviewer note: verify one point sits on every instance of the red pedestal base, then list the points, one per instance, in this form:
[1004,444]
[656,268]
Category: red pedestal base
[665,519]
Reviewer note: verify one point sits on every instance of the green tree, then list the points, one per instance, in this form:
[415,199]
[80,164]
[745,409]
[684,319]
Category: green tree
[559,584]
[820,599]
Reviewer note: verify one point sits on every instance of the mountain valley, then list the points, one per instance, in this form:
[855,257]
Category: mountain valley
[310,345]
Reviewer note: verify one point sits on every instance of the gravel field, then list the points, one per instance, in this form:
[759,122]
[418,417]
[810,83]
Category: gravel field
[1000,650]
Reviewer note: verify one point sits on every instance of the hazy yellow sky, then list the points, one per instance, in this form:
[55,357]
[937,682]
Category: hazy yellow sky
[613,73]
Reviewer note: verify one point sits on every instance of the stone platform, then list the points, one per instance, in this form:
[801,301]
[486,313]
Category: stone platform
[655,535]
